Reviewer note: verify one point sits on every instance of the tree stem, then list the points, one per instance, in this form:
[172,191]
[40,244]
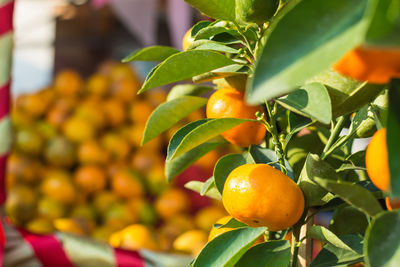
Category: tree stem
[334,135]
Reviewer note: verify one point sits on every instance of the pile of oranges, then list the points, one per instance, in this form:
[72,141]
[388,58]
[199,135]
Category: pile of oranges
[77,166]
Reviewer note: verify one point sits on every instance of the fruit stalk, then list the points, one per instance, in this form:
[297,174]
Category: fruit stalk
[275,137]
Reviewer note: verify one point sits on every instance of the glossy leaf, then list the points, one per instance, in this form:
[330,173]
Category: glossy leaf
[347,95]
[208,32]
[226,165]
[265,155]
[187,90]
[198,26]
[293,54]
[151,53]
[393,140]
[311,100]
[226,249]
[183,66]
[322,234]
[333,256]
[382,242]
[385,25]
[272,253]
[232,223]
[296,123]
[213,46]
[348,220]
[169,113]
[353,194]
[314,168]
[207,129]
[363,123]
[217,9]
[197,186]
[177,165]
[207,186]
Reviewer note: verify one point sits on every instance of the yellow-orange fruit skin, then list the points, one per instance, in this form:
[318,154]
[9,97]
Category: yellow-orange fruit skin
[376,161]
[260,195]
[229,103]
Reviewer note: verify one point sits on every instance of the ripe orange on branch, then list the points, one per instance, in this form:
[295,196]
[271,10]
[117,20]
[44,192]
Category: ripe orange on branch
[376,161]
[260,195]
[229,103]
[372,64]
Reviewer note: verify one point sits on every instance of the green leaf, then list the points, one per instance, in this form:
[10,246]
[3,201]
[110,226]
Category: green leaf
[197,186]
[207,129]
[198,26]
[226,165]
[363,123]
[382,242]
[385,25]
[207,186]
[392,135]
[347,95]
[177,165]
[187,89]
[322,234]
[265,155]
[314,168]
[353,194]
[334,256]
[213,46]
[296,123]
[169,113]
[226,249]
[183,66]
[235,70]
[272,253]
[311,100]
[233,223]
[208,32]
[293,54]
[348,220]
[151,53]
[217,9]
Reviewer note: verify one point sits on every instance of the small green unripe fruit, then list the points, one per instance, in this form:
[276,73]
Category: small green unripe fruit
[257,11]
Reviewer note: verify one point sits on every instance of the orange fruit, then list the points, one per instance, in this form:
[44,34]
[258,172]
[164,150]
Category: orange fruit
[126,184]
[90,152]
[187,40]
[50,208]
[40,225]
[156,97]
[172,228]
[144,160]
[58,186]
[137,236]
[60,111]
[125,89]
[260,195]
[104,200]
[24,169]
[102,233]
[119,216]
[206,217]
[68,83]
[98,85]
[143,209]
[31,105]
[156,180]
[373,64]
[21,204]
[84,211]
[392,203]
[29,141]
[71,226]
[121,71]
[60,152]
[45,129]
[134,134]
[116,146]
[90,178]
[219,231]
[229,103]
[114,111]
[89,110]
[78,130]
[140,111]
[191,242]
[376,161]
[171,202]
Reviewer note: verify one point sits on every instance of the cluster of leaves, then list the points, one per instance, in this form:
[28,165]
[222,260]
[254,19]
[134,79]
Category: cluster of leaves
[286,62]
